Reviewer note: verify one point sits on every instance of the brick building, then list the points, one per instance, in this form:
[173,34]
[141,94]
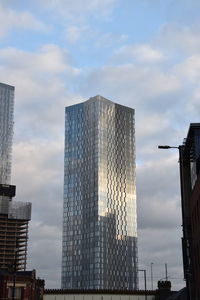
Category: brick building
[27,287]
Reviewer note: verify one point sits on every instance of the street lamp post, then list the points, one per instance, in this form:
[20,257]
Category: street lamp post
[167,147]
[14,276]
[152,276]
[166,274]
[145,282]
[186,240]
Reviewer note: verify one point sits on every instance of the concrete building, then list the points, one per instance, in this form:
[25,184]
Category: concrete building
[99,212]
[14,215]
[95,295]
[190,189]
[14,218]
[6,131]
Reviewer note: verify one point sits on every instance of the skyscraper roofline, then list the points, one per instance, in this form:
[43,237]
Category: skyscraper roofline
[7,85]
[99,98]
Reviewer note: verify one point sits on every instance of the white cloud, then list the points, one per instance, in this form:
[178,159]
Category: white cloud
[10,19]
[161,207]
[146,53]
[189,69]
[132,84]
[38,175]
[141,53]
[40,151]
[45,242]
[78,33]
[79,8]
[49,59]
[41,87]
[73,33]
[180,38]
[105,40]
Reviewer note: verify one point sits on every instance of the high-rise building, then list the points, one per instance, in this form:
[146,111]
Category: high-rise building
[14,215]
[14,218]
[190,191]
[99,219]
[6,131]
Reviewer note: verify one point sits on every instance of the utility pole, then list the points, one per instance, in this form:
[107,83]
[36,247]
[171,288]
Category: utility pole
[152,276]
[15,270]
[145,282]
[166,275]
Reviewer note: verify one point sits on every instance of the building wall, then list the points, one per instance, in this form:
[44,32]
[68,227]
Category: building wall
[97,297]
[190,189]
[195,223]
[6,131]
[27,287]
[13,235]
[99,212]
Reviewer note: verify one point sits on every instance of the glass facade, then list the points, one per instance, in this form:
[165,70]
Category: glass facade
[99,212]
[6,131]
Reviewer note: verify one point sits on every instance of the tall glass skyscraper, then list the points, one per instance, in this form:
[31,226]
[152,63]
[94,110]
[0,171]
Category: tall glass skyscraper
[99,219]
[6,131]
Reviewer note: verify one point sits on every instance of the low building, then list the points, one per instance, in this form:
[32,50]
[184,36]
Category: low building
[26,286]
[162,293]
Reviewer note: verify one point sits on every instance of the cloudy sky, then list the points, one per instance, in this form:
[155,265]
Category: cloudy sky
[141,53]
